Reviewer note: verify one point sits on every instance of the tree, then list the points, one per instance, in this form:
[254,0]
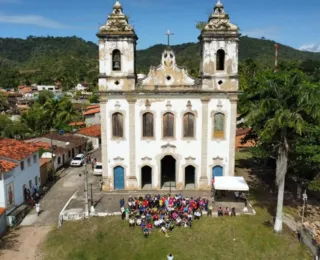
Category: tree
[35,119]
[4,105]
[52,108]
[68,113]
[44,96]
[279,108]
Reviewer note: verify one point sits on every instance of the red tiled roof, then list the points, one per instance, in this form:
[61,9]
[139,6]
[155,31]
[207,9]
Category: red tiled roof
[92,106]
[242,131]
[6,166]
[77,124]
[2,210]
[92,111]
[25,90]
[40,144]
[16,150]
[93,131]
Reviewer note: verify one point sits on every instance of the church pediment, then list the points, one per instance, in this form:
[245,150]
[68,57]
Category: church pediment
[168,73]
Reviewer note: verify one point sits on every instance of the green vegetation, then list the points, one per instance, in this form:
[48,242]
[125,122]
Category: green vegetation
[44,114]
[283,111]
[244,237]
[70,60]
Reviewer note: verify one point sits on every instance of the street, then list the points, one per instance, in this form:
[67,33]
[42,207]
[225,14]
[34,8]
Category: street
[56,198]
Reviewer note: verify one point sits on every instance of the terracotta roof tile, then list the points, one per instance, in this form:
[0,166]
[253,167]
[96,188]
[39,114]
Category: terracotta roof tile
[6,166]
[2,210]
[40,144]
[93,131]
[242,131]
[16,150]
[92,107]
[77,123]
[92,111]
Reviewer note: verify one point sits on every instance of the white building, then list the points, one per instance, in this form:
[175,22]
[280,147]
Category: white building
[167,129]
[19,170]
[49,88]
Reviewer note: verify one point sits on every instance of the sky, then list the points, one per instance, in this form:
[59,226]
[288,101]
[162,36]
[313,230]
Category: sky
[291,22]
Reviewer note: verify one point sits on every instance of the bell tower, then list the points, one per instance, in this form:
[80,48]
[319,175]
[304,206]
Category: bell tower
[219,52]
[117,51]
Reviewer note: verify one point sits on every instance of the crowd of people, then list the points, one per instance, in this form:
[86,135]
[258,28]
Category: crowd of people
[165,213]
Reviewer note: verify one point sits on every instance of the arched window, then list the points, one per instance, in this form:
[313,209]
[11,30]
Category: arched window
[116,60]
[188,125]
[117,125]
[168,125]
[220,59]
[147,120]
[218,125]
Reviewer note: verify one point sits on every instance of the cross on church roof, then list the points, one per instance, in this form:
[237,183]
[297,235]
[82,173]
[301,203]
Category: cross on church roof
[168,33]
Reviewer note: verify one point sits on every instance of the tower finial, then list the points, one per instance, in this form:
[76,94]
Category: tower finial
[117,5]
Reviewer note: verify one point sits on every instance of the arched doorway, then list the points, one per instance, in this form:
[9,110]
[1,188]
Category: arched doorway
[217,171]
[146,177]
[189,177]
[118,175]
[168,171]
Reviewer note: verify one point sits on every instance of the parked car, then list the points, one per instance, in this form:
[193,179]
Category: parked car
[97,169]
[79,160]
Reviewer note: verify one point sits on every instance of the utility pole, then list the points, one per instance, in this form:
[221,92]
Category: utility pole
[91,194]
[86,181]
[52,158]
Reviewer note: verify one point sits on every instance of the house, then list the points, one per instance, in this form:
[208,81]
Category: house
[65,147]
[240,134]
[93,133]
[167,129]
[19,170]
[45,166]
[49,88]
[92,115]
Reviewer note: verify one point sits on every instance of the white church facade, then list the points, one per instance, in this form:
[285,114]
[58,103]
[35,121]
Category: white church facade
[167,129]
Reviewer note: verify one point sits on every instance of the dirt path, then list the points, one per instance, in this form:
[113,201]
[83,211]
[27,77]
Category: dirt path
[23,243]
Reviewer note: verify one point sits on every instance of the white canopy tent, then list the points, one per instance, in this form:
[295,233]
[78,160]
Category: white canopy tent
[230,183]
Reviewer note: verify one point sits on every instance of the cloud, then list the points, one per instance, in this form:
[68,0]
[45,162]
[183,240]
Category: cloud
[314,47]
[10,2]
[36,20]
[267,32]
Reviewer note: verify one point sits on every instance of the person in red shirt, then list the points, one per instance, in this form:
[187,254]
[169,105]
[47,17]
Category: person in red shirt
[149,226]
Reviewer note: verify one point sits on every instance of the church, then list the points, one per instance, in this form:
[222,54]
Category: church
[167,129]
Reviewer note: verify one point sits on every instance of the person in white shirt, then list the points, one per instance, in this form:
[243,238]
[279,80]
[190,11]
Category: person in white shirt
[131,222]
[164,230]
[170,257]
[138,221]
[156,223]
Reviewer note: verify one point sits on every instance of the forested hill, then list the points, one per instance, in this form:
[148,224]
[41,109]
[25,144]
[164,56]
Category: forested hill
[71,59]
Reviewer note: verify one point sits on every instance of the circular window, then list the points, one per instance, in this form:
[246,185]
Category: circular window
[168,77]
[117,83]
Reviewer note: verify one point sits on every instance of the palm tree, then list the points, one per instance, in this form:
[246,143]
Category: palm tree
[278,107]
[68,113]
[52,108]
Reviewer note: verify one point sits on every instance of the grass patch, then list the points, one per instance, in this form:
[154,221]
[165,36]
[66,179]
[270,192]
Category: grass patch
[243,155]
[244,237]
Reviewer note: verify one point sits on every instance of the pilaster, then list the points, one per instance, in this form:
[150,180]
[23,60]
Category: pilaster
[104,144]
[233,128]
[132,178]
[203,182]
